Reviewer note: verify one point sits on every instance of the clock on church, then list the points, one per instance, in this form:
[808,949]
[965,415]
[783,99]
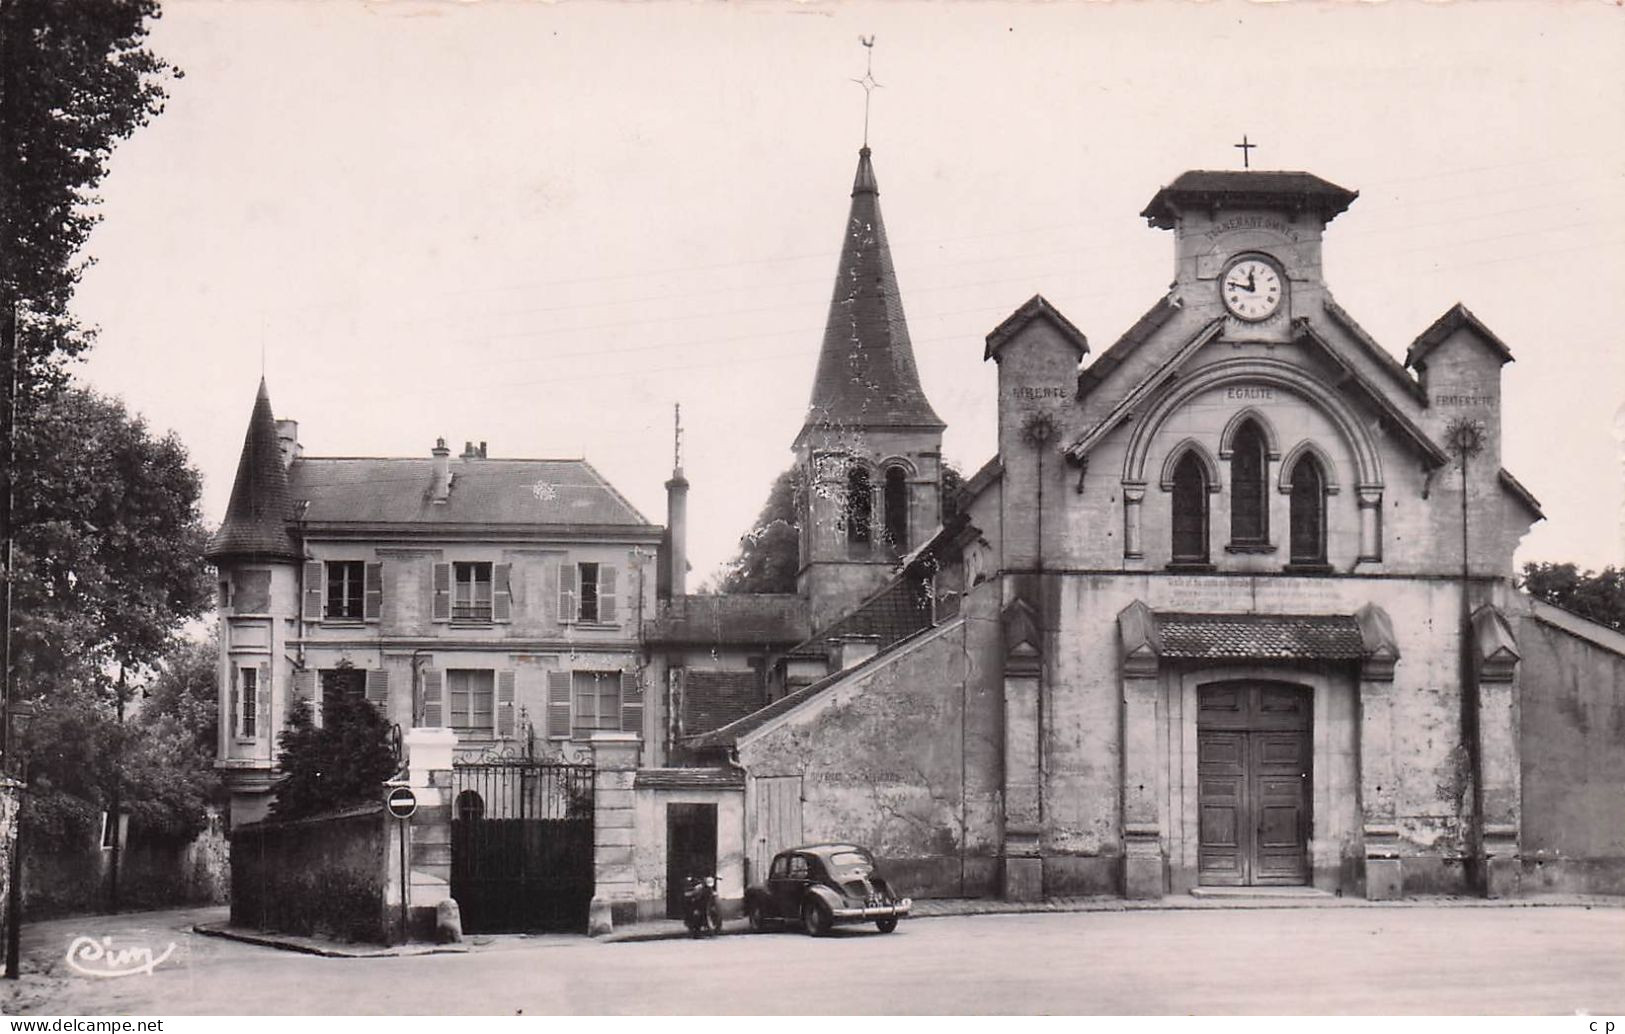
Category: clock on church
[1251,289]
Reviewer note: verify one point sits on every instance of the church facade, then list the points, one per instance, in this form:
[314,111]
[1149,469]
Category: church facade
[1231,607]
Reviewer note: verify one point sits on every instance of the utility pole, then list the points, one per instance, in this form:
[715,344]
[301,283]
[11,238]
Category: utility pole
[117,810]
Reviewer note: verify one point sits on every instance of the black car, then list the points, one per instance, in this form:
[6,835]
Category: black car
[820,885]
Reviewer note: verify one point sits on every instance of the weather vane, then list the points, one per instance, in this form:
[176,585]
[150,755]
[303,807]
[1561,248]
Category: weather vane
[868,81]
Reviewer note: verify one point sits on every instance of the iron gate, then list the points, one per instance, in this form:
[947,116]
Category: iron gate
[521,844]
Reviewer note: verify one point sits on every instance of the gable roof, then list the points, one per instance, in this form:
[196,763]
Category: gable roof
[1129,402]
[1368,345]
[866,374]
[1458,317]
[1166,308]
[484,492]
[1519,492]
[256,524]
[1435,455]
[1036,307]
[1232,189]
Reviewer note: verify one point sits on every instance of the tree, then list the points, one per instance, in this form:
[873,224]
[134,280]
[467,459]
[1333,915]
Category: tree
[185,691]
[770,553]
[343,762]
[1596,596]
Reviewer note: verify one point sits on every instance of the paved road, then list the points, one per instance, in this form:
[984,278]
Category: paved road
[1336,961]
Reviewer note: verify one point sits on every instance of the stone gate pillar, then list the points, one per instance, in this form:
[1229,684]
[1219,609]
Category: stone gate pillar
[615,766]
[1144,867]
[428,758]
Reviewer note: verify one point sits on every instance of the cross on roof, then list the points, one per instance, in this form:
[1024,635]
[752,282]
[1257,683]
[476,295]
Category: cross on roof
[1246,148]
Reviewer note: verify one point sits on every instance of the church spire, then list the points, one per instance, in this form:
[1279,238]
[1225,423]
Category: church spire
[866,374]
[256,524]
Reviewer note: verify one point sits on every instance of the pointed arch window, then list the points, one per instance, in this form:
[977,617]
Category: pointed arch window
[896,497]
[859,504]
[1308,509]
[1190,493]
[1249,496]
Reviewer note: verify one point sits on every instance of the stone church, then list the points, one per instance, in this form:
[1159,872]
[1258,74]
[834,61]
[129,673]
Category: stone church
[1231,606]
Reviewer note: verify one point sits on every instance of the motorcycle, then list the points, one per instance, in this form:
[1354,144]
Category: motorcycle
[701,913]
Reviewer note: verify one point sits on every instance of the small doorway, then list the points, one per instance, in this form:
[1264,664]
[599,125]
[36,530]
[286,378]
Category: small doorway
[1253,770]
[691,849]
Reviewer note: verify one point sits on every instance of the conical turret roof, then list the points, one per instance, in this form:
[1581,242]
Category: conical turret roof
[256,524]
[866,373]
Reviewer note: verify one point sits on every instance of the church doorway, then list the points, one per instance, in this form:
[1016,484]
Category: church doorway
[1253,774]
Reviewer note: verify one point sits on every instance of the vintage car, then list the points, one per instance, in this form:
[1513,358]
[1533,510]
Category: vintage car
[820,885]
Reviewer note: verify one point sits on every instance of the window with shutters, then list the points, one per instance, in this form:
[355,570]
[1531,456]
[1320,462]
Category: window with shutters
[346,592]
[471,592]
[587,609]
[471,696]
[597,699]
[342,684]
[248,703]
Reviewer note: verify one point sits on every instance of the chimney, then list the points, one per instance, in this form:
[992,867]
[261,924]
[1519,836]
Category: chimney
[482,450]
[676,537]
[440,489]
[287,441]
[468,452]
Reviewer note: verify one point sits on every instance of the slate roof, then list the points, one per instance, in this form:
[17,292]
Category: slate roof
[735,620]
[1263,636]
[256,524]
[484,492]
[1036,307]
[1165,309]
[1233,189]
[866,374]
[712,699]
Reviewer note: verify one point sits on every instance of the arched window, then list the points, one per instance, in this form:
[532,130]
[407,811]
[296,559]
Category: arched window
[1308,511]
[1249,498]
[470,806]
[859,504]
[897,508]
[1190,511]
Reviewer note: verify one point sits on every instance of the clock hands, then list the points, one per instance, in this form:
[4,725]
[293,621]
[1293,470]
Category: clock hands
[1249,286]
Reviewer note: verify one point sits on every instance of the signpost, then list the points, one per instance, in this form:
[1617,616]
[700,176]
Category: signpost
[402,803]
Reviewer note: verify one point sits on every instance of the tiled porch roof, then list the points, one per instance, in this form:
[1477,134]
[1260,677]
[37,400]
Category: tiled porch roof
[1260,636]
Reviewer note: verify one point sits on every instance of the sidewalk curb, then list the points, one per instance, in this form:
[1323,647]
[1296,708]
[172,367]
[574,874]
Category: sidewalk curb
[323,948]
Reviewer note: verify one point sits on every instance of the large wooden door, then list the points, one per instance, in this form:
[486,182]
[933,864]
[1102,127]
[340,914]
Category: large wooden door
[777,821]
[1253,767]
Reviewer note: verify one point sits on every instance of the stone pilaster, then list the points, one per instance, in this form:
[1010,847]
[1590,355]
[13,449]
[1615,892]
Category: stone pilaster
[1370,504]
[1384,874]
[429,758]
[1496,656]
[1144,867]
[1022,867]
[1133,497]
[615,764]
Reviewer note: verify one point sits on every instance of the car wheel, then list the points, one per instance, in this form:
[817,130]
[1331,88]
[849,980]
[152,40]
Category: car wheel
[887,925]
[753,914]
[816,918]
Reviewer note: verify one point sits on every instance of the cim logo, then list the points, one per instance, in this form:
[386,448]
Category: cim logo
[98,958]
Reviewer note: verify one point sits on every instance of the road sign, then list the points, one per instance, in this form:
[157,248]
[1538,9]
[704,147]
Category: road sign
[401,802]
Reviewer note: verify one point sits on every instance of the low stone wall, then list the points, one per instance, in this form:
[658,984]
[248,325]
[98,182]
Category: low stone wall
[324,876]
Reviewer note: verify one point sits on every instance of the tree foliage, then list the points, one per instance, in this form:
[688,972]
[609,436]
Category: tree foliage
[75,79]
[344,762]
[1595,595]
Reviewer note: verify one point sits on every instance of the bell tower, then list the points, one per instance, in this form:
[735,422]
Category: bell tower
[869,453]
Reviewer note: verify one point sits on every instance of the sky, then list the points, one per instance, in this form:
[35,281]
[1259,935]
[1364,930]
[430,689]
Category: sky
[541,225]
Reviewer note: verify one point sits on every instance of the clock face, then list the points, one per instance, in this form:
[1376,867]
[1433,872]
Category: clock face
[1251,289]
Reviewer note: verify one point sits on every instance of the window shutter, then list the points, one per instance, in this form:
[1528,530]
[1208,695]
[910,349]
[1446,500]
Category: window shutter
[606,594]
[304,685]
[434,695]
[235,715]
[262,727]
[558,705]
[505,716]
[501,592]
[375,592]
[314,569]
[631,702]
[378,688]
[567,593]
[442,593]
